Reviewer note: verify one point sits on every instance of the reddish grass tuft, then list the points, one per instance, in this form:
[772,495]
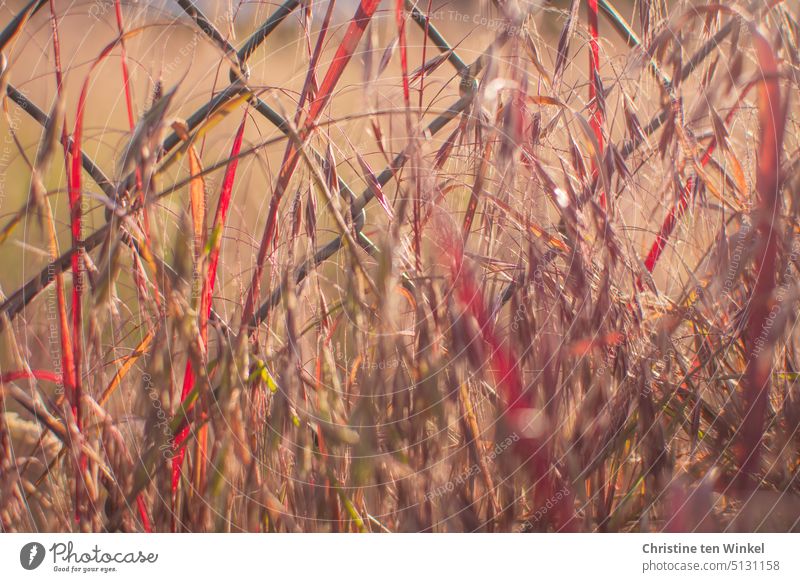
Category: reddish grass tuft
[218,228]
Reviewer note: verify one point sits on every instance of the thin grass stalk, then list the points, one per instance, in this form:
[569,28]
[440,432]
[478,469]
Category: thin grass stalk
[75,209]
[129,109]
[206,299]
[312,65]
[126,79]
[71,363]
[426,30]
[595,87]
[43,375]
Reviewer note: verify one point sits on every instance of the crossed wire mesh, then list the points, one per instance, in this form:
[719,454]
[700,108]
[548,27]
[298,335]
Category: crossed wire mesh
[467,74]
[17,302]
